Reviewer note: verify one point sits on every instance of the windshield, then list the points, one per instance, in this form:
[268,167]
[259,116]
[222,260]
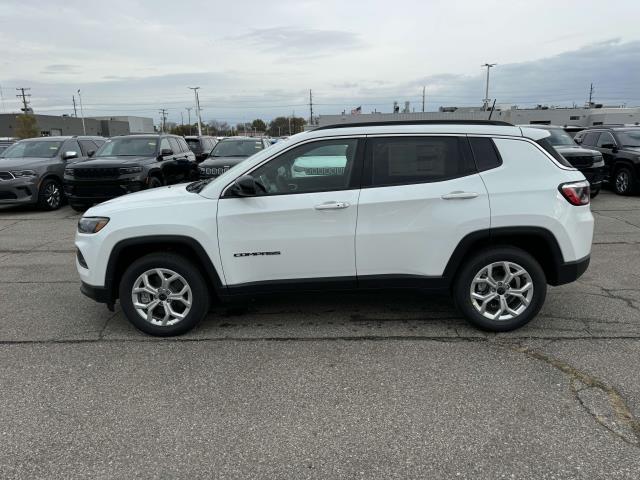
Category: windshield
[34,149]
[236,148]
[629,138]
[559,137]
[193,142]
[128,147]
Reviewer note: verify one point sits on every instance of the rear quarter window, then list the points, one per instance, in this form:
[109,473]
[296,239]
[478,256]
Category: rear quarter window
[485,153]
[544,143]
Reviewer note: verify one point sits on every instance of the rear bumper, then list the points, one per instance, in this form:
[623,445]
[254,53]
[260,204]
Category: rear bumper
[570,271]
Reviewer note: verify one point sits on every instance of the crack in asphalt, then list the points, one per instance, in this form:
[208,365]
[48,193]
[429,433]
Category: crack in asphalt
[581,381]
[616,218]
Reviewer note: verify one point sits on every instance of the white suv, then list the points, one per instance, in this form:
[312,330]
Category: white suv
[486,210]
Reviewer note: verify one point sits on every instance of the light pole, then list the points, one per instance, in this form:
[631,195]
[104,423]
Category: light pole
[195,91]
[486,93]
[84,130]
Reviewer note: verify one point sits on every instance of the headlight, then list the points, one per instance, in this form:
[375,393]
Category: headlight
[126,170]
[23,173]
[68,171]
[92,224]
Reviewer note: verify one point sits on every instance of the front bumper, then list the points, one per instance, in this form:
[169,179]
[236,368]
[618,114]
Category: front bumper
[96,192]
[19,191]
[595,175]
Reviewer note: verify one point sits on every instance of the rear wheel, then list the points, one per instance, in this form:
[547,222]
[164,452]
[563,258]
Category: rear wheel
[624,182]
[595,191]
[500,289]
[164,294]
[50,195]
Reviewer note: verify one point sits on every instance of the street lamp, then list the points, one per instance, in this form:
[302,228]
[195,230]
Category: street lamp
[486,93]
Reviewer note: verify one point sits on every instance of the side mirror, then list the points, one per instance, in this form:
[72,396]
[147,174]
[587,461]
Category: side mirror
[91,153]
[609,146]
[166,152]
[69,155]
[245,186]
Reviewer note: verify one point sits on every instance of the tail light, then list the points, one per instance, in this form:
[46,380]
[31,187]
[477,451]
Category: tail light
[576,193]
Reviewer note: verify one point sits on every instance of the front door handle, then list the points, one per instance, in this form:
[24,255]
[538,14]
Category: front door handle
[459,195]
[332,206]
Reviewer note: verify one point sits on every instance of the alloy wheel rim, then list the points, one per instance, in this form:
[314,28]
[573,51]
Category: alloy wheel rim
[161,297]
[622,181]
[501,291]
[52,195]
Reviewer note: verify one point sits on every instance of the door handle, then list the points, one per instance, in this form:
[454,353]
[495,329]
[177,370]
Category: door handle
[332,206]
[459,195]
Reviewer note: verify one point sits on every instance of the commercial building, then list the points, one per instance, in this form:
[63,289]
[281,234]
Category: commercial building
[51,125]
[542,115]
[136,124]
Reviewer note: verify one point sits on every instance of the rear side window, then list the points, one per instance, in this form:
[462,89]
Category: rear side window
[544,143]
[485,153]
[183,145]
[410,160]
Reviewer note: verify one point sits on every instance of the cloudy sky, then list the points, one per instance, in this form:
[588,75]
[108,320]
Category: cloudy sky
[258,59]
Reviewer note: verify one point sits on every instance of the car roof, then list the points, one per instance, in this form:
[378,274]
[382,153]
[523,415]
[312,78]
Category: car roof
[431,128]
[64,137]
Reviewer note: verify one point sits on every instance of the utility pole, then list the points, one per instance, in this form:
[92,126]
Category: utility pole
[189,118]
[75,111]
[423,94]
[24,96]
[486,93]
[310,108]
[2,100]
[182,120]
[84,130]
[289,126]
[590,95]
[195,91]
[163,113]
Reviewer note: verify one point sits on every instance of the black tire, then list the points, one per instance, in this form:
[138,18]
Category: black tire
[79,207]
[154,182]
[473,266]
[595,192]
[177,264]
[50,195]
[624,181]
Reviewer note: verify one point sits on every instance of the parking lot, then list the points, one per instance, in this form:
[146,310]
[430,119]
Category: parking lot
[331,386]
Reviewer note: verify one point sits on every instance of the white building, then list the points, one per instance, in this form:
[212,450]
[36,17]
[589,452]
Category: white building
[136,124]
[580,117]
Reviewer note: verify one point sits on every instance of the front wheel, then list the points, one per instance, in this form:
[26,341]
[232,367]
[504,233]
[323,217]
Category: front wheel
[500,289]
[154,182]
[164,294]
[50,195]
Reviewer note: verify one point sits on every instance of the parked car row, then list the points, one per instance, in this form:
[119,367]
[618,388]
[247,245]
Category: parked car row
[85,170]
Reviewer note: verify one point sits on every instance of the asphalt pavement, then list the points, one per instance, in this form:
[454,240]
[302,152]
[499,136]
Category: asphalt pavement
[324,386]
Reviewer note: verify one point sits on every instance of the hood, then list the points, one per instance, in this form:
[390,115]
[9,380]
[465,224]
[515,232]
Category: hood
[156,197]
[575,151]
[23,163]
[102,162]
[632,149]
[222,161]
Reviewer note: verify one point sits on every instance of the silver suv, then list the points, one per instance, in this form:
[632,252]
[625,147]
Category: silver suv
[31,171]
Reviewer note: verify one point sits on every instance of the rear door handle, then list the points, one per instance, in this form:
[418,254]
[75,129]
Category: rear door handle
[459,195]
[332,206]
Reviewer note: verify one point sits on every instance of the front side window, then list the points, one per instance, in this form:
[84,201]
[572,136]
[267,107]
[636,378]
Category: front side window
[175,146]
[128,147]
[410,160]
[321,166]
[33,149]
[87,146]
[590,138]
[165,145]
[605,139]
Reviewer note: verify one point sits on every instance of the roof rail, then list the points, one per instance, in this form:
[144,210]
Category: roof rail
[416,122]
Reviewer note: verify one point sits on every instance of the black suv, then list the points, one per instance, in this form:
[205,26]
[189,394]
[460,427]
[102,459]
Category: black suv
[129,164]
[31,170]
[620,147]
[201,146]
[229,152]
[588,161]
